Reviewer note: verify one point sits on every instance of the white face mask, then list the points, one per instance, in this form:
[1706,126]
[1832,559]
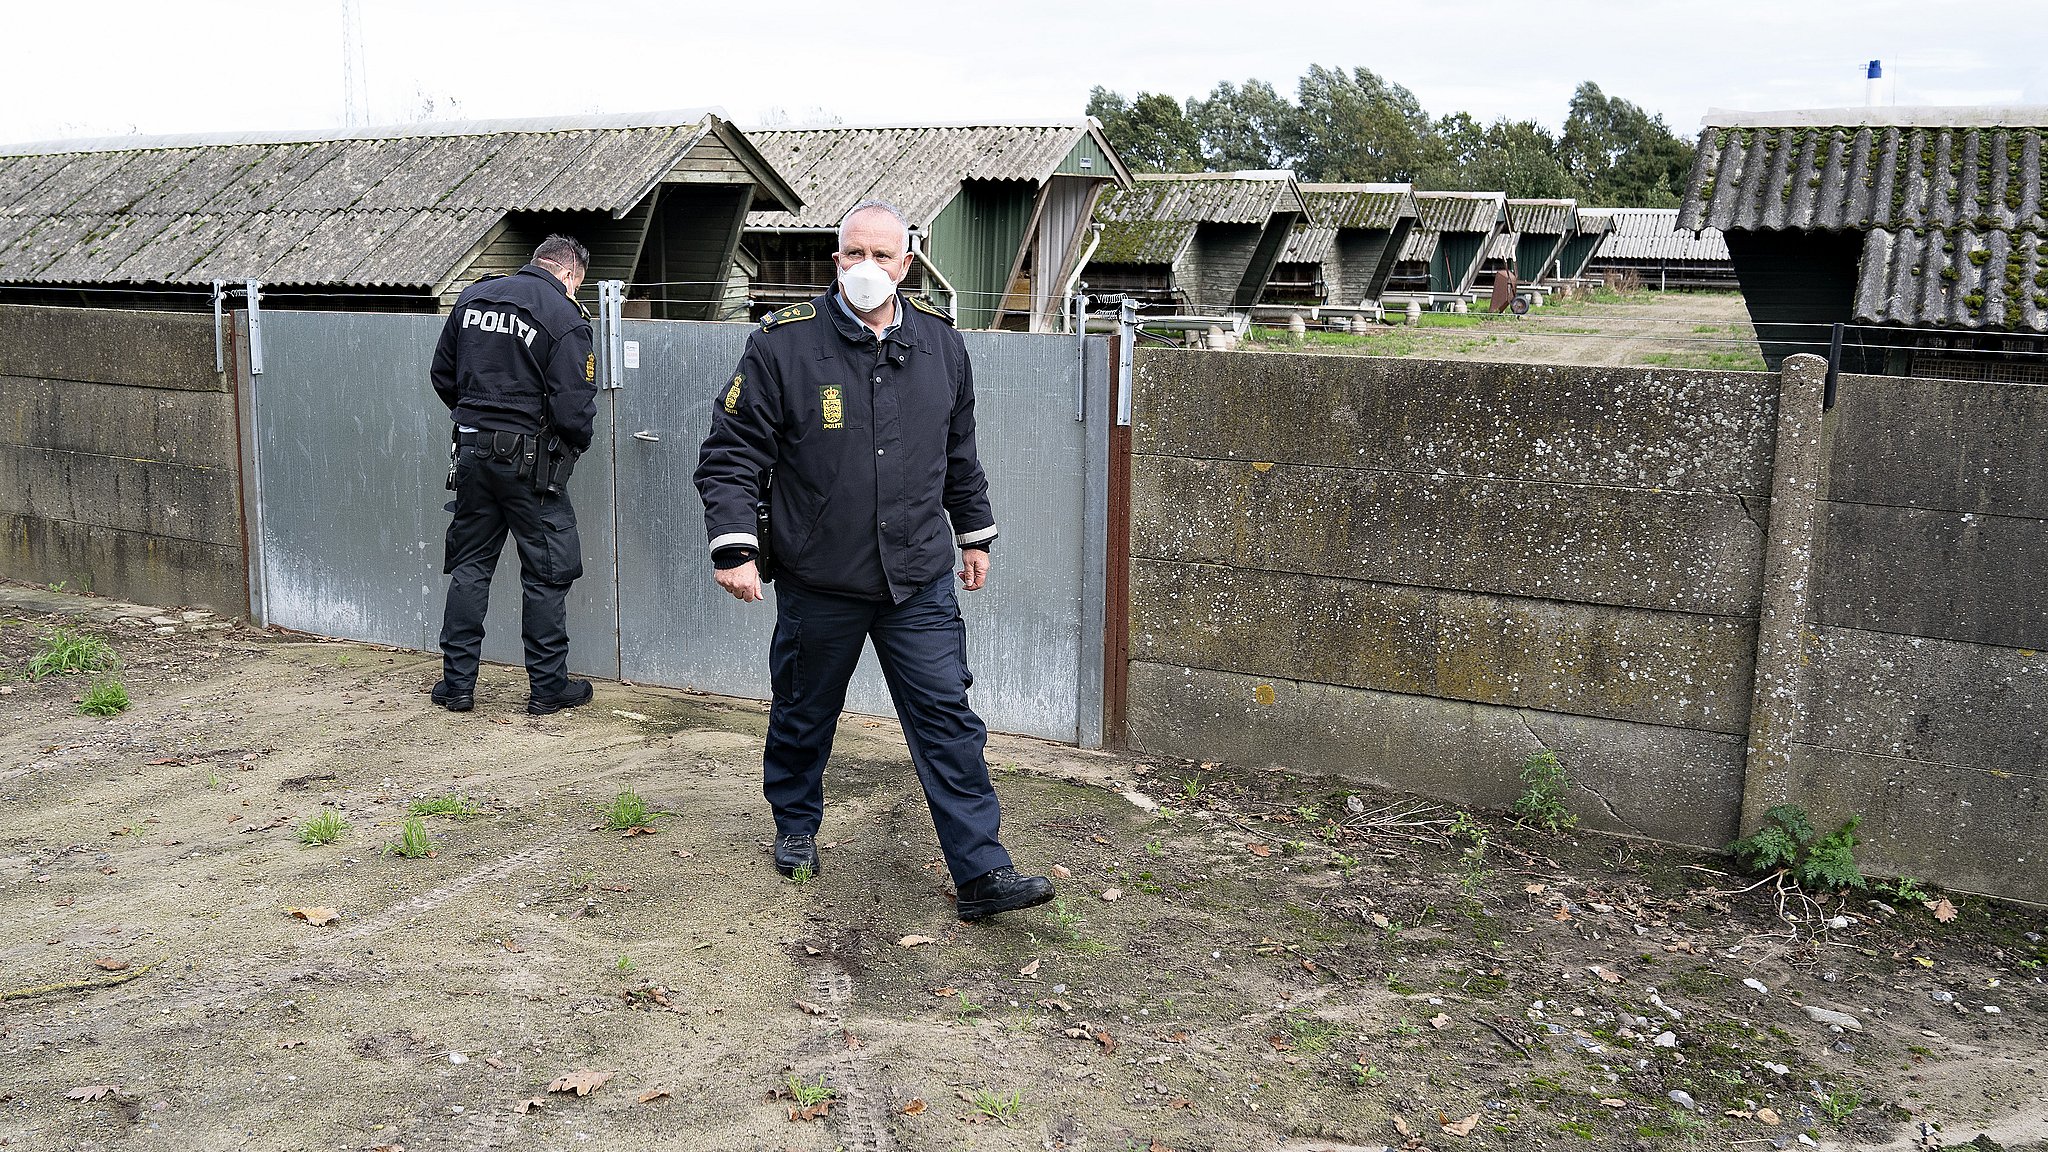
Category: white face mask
[866,286]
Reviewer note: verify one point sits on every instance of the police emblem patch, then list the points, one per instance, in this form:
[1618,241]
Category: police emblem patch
[590,368]
[732,395]
[835,408]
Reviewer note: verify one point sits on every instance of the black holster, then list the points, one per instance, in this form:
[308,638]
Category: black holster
[764,551]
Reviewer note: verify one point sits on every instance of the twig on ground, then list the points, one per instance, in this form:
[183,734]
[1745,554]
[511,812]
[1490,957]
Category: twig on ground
[79,985]
[1512,1042]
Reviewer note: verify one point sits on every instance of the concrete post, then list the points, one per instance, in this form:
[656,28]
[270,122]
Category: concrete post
[1777,708]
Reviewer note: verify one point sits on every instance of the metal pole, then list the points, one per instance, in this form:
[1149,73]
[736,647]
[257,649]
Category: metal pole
[253,289]
[611,309]
[220,295]
[1127,337]
[1827,396]
[1080,314]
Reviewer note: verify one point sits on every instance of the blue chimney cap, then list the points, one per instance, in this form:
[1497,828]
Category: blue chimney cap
[1876,70]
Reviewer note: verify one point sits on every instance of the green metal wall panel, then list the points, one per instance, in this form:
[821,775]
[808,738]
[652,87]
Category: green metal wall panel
[1577,252]
[1097,163]
[975,240]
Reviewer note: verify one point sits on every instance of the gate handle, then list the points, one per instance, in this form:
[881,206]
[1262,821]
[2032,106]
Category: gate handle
[650,437]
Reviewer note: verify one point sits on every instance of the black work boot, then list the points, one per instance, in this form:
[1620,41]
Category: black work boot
[452,700]
[578,692]
[1002,890]
[794,852]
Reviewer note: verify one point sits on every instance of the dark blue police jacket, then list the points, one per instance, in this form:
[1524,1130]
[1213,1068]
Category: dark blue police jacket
[507,340]
[871,444]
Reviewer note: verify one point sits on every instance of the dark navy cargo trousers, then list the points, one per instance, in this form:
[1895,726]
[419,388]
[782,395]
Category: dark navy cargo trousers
[490,502]
[921,645]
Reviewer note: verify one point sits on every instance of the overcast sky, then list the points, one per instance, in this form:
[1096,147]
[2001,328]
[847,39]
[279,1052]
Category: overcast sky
[95,68]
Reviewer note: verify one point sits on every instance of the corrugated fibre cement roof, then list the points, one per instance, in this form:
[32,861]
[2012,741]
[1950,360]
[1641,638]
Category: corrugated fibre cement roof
[385,210]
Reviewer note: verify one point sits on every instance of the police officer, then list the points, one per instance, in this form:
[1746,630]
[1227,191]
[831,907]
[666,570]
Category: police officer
[854,415]
[516,370]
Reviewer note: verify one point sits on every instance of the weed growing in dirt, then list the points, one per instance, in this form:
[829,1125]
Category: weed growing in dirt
[1065,918]
[802,875]
[106,698]
[1472,871]
[1191,787]
[624,966]
[964,1007]
[807,1093]
[1155,848]
[212,779]
[1365,1075]
[1908,889]
[1838,1106]
[1542,805]
[324,828]
[627,810]
[68,651]
[997,1106]
[1787,843]
[1407,1027]
[1309,1034]
[413,843]
[455,807]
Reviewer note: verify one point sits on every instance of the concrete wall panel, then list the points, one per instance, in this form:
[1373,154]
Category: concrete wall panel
[1939,574]
[1677,551]
[141,349]
[129,565]
[1460,752]
[1971,828]
[1689,431]
[163,424]
[1911,698]
[168,500]
[1624,663]
[1960,445]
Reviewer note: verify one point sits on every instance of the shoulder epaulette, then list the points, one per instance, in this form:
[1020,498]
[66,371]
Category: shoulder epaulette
[580,308]
[492,276]
[788,315]
[929,308]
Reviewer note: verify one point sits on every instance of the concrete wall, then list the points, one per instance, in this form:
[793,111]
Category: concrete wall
[1703,594]
[1420,573]
[1926,692]
[118,457]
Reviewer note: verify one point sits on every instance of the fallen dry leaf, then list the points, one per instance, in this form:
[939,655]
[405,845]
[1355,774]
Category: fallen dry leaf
[1606,975]
[1258,849]
[1401,1126]
[289,1043]
[616,887]
[582,1082]
[914,1108]
[1439,1020]
[1280,1043]
[1054,1004]
[809,1009]
[811,950]
[494,1062]
[1157,1146]
[1533,889]
[511,945]
[315,916]
[1062,872]
[948,990]
[533,1105]
[1102,840]
[653,1094]
[1611,1102]
[914,940]
[681,853]
[1942,909]
[1107,1041]
[93,1092]
[1030,969]
[1112,893]
[110,964]
[1463,1127]
[851,1039]
[636,830]
[1768,1116]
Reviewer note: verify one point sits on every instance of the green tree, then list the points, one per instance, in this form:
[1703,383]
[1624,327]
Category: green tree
[1357,126]
[1249,127]
[1622,155]
[1152,133]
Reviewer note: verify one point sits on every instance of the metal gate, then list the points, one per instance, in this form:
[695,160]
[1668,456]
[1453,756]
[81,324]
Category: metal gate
[345,452]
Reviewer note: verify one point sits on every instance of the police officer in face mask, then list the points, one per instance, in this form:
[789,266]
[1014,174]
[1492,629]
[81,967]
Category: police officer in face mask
[859,405]
[516,369]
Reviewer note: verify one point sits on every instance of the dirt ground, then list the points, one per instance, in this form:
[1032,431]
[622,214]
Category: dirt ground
[1288,963]
[1700,329]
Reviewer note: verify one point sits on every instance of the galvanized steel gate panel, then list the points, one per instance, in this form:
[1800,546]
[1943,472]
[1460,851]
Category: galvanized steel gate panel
[345,455]
[1033,635]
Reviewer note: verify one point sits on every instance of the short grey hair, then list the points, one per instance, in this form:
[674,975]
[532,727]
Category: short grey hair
[874,206]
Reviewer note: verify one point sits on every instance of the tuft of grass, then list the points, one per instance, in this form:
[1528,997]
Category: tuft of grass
[625,966]
[997,1106]
[455,807]
[67,651]
[964,1007]
[1839,1106]
[1065,918]
[801,875]
[627,810]
[807,1093]
[324,828]
[1310,1034]
[106,698]
[1191,787]
[413,842]
[1365,1075]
